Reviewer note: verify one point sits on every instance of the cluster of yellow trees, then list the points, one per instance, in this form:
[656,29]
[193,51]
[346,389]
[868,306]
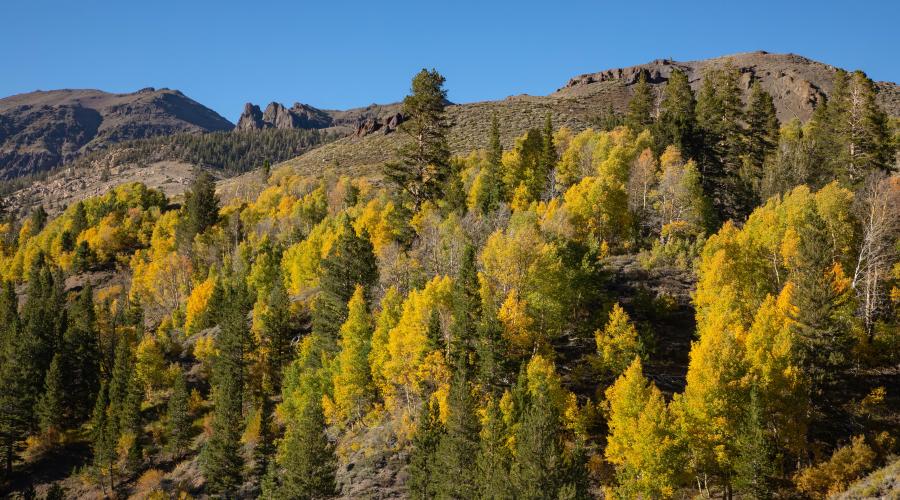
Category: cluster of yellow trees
[539,258]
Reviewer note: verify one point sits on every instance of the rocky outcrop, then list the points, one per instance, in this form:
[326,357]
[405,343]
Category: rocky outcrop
[361,121]
[298,116]
[42,130]
[385,125]
[796,83]
[251,118]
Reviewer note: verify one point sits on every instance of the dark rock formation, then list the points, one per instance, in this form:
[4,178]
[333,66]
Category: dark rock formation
[361,121]
[41,130]
[251,118]
[385,125]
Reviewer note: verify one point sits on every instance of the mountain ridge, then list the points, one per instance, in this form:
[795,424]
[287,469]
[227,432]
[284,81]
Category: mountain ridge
[43,129]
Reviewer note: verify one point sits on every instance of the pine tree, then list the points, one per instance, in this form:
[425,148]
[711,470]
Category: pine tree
[864,131]
[720,119]
[762,134]
[222,460]
[456,471]
[307,456]
[103,438]
[493,458]
[423,162]
[277,334]
[201,207]
[754,467]
[495,148]
[466,310]
[178,421]
[537,469]
[639,114]
[82,356]
[677,124]
[822,300]
[351,262]
[265,443]
[51,405]
[38,219]
[16,398]
[353,388]
[548,159]
[422,459]
[79,219]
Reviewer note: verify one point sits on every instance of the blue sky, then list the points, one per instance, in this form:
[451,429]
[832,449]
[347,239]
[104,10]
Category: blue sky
[339,54]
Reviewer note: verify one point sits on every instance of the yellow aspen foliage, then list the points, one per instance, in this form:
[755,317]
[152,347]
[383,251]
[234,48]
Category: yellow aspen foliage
[716,392]
[577,160]
[150,363]
[618,342]
[160,285]
[833,476]
[391,308]
[774,370]
[353,389]
[408,343]
[642,443]
[300,262]
[518,326]
[196,310]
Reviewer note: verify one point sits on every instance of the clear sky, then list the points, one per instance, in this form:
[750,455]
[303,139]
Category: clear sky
[341,53]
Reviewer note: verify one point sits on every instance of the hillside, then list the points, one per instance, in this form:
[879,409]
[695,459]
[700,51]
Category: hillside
[796,84]
[676,305]
[44,129]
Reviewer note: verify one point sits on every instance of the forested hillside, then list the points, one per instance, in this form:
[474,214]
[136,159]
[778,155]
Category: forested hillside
[688,299]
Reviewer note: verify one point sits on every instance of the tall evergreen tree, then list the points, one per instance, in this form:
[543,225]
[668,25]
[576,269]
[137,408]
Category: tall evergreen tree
[495,147]
[423,160]
[201,207]
[264,449]
[422,459]
[51,405]
[762,134]
[222,460]
[466,310]
[456,470]
[677,124]
[103,438]
[537,471]
[16,398]
[277,334]
[823,308]
[82,356]
[350,263]
[307,456]
[720,120]
[639,115]
[493,458]
[754,467]
[178,417]
[548,158]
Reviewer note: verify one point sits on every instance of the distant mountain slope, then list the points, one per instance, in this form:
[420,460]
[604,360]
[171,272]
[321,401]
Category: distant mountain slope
[41,130]
[796,83]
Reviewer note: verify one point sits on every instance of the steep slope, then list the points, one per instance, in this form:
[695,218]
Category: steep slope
[41,130]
